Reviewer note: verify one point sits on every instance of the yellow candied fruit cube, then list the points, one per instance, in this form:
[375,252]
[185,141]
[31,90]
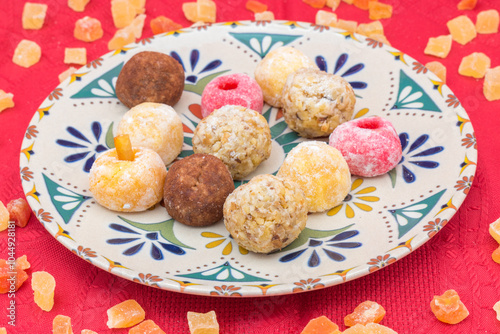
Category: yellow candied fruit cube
[121,38]
[137,25]
[495,226]
[264,16]
[491,90]
[61,325]
[438,69]
[487,22]
[378,10]
[43,285]
[78,5]
[496,308]
[326,18]
[380,38]
[139,5]
[34,15]
[348,25]
[203,323]
[206,11]
[462,29]
[190,10]
[66,74]
[4,217]
[123,13]
[125,314]
[87,331]
[474,65]
[6,101]
[348,1]
[75,56]
[372,28]
[496,255]
[439,46]
[27,53]
[333,4]
[3,330]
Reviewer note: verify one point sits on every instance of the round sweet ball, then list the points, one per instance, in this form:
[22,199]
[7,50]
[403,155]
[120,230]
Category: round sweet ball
[196,188]
[239,136]
[150,77]
[156,126]
[272,71]
[321,172]
[316,102]
[128,186]
[266,214]
[371,146]
[233,89]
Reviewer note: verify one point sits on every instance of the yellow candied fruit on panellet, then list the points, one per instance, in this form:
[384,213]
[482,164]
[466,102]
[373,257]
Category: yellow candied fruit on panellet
[462,29]
[439,46]
[495,226]
[372,28]
[88,29]
[123,13]
[43,285]
[333,4]
[125,314]
[146,327]
[6,101]
[206,11]
[61,325]
[448,308]
[321,325]
[326,18]
[34,15]
[264,16]
[487,22]
[347,25]
[121,38]
[78,5]
[66,74]
[438,69]
[75,56]
[203,323]
[474,65]
[378,10]
[491,90]
[27,53]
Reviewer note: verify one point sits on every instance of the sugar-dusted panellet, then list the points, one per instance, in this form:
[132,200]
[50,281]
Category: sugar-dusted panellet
[371,328]
[43,285]
[448,308]
[372,28]
[438,69]
[326,18]
[27,53]
[474,65]
[255,6]
[67,73]
[467,4]
[362,4]
[315,3]
[146,327]
[34,15]
[365,313]
[264,16]
[163,24]
[19,211]
[203,323]
[378,10]
[333,4]
[61,325]
[6,100]
[462,29]
[491,87]
[78,5]
[439,46]
[487,22]
[321,325]
[125,314]
[4,217]
[75,56]
[347,25]
[88,29]
[123,12]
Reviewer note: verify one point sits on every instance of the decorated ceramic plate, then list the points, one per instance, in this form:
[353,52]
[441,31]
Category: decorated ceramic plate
[381,220]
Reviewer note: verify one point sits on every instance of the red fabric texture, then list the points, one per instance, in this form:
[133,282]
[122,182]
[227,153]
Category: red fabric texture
[458,257]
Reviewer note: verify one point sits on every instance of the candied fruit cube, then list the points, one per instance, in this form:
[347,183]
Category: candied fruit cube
[372,28]
[163,24]
[137,25]
[496,255]
[6,101]
[88,29]
[87,331]
[369,329]
[491,90]
[255,6]
[487,22]
[462,29]
[348,1]
[474,65]
[3,330]
[19,211]
[495,226]
[496,308]
[190,11]
[34,15]
[43,285]
[467,4]
[139,5]
[78,5]
[61,325]
[448,308]
[125,314]
[6,270]
[22,262]
[123,12]
[333,4]
[326,18]
[438,69]
[315,3]
[321,325]
[66,74]
[347,25]
[362,4]
[203,323]
[206,10]
[380,38]
[4,215]
[146,327]
[378,10]
[264,16]
[121,38]
[27,53]
[75,56]
[365,313]
[439,46]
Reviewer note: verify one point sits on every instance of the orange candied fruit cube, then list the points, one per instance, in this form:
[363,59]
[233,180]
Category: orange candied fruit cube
[315,3]
[6,268]
[347,25]
[34,15]
[19,211]
[264,16]
[203,323]
[6,101]
[491,90]
[66,74]
[496,255]
[349,2]
[495,226]
[190,11]
[462,29]
[206,10]
[448,308]
[321,325]
[78,5]
[3,330]
[439,46]
[27,53]
[326,18]
[362,4]
[22,262]
[467,4]
[75,56]
[487,22]
[61,325]
[438,69]
[163,24]
[255,6]
[139,5]
[333,4]
[474,65]
[147,326]
[365,313]
[125,314]
[372,28]
[43,285]
[378,10]
[371,328]
[123,12]
[88,29]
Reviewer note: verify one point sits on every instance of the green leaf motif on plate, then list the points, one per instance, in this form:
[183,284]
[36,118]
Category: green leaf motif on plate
[262,43]
[412,96]
[102,87]
[66,201]
[411,215]
[308,233]
[224,273]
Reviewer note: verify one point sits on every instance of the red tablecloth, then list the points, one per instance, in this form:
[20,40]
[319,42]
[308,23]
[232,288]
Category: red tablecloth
[458,257]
